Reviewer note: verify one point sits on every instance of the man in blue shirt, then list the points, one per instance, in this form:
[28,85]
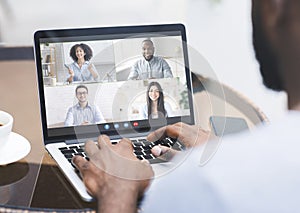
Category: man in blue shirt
[150,66]
[83,113]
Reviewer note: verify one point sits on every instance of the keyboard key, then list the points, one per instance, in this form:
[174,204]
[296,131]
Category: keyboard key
[148,157]
[68,151]
[138,152]
[147,151]
[79,150]
[140,157]
[147,143]
[178,146]
[142,140]
[147,147]
[164,142]
[138,148]
[68,156]
[137,143]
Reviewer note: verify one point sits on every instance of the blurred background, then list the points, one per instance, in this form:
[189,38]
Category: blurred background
[220,30]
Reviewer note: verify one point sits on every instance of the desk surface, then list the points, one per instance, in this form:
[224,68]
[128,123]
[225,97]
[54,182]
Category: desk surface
[36,181]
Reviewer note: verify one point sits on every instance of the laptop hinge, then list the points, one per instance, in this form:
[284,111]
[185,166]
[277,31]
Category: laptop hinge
[83,140]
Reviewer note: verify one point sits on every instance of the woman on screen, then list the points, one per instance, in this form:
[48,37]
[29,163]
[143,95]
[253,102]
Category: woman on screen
[156,106]
[81,69]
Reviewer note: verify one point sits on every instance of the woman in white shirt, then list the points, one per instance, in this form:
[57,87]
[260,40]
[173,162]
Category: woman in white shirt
[156,106]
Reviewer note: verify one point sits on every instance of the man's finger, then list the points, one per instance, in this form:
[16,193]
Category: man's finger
[163,152]
[173,131]
[157,134]
[91,147]
[156,151]
[81,164]
[126,142]
[103,141]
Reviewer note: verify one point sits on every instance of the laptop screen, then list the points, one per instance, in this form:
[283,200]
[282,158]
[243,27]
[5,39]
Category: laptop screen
[114,80]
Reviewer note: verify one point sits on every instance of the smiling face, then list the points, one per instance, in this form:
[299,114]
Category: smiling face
[79,53]
[82,95]
[153,93]
[147,50]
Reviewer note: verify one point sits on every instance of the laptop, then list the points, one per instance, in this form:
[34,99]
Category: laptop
[102,99]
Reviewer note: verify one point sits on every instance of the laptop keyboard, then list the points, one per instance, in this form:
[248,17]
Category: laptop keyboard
[141,149]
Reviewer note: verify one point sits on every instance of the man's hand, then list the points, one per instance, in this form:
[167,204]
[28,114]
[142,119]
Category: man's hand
[188,135]
[114,175]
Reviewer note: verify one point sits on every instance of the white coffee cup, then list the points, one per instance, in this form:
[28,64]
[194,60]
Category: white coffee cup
[6,123]
[53,81]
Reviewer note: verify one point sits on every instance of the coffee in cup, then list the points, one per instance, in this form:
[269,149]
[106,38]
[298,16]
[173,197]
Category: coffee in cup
[6,121]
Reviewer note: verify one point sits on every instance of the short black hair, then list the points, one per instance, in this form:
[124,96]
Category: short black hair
[87,50]
[148,40]
[81,86]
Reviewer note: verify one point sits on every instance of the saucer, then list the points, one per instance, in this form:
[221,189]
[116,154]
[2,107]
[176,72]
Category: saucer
[15,149]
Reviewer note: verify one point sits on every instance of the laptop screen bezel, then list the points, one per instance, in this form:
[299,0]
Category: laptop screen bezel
[69,133]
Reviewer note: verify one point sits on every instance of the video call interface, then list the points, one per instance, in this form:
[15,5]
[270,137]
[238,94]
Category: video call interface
[116,82]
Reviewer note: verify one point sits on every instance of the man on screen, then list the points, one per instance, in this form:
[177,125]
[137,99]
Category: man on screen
[83,113]
[150,66]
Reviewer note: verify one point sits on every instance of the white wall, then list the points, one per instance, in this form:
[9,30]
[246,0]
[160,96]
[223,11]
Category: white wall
[223,35]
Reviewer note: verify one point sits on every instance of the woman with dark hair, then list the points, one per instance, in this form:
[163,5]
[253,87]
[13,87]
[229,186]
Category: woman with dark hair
[156,106]
[81,69]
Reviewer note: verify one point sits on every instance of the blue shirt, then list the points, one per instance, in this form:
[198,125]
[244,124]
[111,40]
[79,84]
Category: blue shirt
[77,115]
[83,73]
[157,67]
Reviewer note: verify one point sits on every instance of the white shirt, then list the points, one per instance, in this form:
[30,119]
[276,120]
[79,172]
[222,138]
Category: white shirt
[144,111]
[250,172]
